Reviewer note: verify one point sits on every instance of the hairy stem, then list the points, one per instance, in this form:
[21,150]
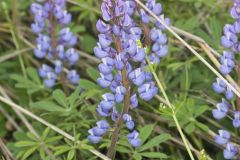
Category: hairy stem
[119,123]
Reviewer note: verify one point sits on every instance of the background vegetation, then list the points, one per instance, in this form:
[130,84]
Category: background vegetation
[186,80]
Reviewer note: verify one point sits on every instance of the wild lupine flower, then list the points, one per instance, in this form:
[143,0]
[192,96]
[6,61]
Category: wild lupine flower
[97,132]
[231,151]
[231,43]
[236,120]
[56,46]
[133,139]
[123,58]
[221,109]
[223,137]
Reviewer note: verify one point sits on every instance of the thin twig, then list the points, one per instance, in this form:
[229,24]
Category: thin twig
[8,155]
[10,119]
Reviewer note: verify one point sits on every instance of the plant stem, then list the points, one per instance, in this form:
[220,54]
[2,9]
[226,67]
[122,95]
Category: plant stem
[119,123]
[172,109]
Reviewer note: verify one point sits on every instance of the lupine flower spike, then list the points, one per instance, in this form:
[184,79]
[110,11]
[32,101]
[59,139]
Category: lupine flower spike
[123,61]
[55,41]
[231,43]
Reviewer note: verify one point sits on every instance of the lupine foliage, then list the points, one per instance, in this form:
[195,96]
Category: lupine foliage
[115,40]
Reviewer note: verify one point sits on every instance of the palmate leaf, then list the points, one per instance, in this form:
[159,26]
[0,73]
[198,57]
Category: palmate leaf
[32,83]
[123,149]
[61,149]
[146,132]
[137,156]
[71,154]
[29,152]
[47,106]
[88,85]
[25,143]
[60,98]
[93,73]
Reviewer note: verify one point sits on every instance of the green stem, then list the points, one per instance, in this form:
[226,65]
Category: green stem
[172,107]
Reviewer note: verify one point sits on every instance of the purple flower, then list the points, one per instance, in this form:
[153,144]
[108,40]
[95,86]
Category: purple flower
[230,41]
[44,70]
[219,86]
[230,151]
[133,139]
[39,52]
[120,93]
[134,101]
[72,56]
[129,123]
[156,8]
[49,17]
[236,120]
[102,27]
[147,91]
[105,80]
[223,137]
[50,80]
[235,11]
[73,77]
[58,66]
[137,76]
[97,132]
[115,115]
[123,58]
[221,110]
[229,94]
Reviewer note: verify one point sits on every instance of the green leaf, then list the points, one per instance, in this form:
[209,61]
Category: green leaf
[61,149]
[71,154]
[202,126]
[45,133]
[60,97]
[53,139]
[137,156]
[190,128]
[28,153]
[88,85]
[123,149]
[154,155]
[200,110]
[93,73]
[146,132]
[155,141]
[47,106]
[25,143]
[42,153]
[32,74]
[74,97]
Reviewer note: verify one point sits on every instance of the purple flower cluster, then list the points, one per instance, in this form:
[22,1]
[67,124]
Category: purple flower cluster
[231,43]
[97,132]
[122,54]
[54,41]
[223,139]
